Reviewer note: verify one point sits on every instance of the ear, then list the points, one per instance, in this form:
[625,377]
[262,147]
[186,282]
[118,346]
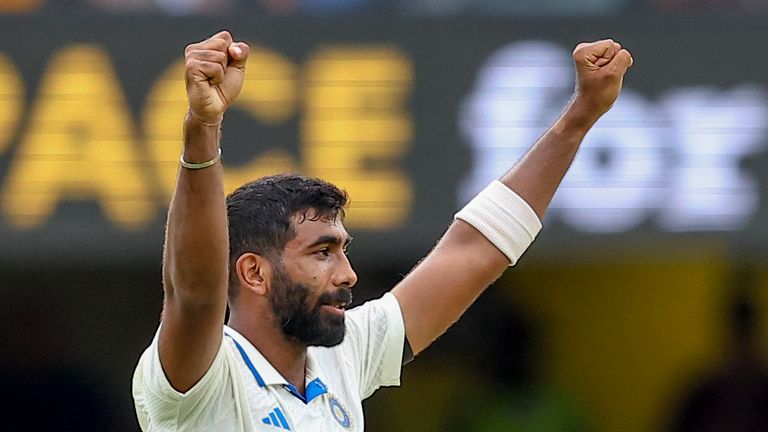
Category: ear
[254,272]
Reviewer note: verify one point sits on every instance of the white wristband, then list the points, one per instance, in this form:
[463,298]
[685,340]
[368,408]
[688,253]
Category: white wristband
[504,218]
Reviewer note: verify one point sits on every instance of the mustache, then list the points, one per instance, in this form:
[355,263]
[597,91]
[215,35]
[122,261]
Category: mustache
[341,295]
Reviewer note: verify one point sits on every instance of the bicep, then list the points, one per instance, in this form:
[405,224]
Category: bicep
[190,336]
[438,291]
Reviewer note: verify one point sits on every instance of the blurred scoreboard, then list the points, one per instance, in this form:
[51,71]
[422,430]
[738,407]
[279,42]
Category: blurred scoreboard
[411,117]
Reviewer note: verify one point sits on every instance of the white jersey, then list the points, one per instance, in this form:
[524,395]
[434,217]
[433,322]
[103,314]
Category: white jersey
[242,391]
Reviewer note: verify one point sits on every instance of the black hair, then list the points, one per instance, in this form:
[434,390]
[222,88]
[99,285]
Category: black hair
[260,215]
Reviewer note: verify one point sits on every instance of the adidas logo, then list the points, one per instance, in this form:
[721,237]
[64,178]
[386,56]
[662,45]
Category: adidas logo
[277,419]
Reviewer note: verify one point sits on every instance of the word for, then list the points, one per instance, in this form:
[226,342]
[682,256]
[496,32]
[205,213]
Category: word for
[678,161]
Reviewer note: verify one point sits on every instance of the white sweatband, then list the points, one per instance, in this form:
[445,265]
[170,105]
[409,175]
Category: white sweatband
[504,218]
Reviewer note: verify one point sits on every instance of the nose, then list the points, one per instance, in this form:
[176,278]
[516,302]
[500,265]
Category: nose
[345,276]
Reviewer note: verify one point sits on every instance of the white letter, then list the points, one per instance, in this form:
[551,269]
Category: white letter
[714,131]
[511,106]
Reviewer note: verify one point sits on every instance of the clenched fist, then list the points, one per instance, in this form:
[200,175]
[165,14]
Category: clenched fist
[214,74]
[600,69]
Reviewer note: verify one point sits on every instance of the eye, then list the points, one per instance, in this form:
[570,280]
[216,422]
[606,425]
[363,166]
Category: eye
[324,251]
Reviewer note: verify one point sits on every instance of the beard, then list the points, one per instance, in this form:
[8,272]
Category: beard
[302,321]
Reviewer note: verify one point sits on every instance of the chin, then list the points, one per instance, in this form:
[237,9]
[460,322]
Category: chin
[332,334]
[328,343]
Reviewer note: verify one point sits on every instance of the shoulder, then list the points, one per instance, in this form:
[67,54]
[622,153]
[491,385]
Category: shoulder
[374,328]
[385,309]
[156,400]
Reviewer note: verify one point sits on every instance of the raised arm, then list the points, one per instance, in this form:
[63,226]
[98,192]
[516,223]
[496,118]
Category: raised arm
[196,255]
[464,262]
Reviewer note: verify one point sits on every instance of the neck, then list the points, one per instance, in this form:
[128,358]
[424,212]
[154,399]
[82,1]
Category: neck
[287,356]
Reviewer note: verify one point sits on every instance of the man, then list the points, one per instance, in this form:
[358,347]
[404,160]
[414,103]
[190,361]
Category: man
[291,357]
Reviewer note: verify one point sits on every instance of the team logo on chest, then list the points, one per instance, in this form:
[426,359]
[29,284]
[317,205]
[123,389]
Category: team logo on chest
[339,413]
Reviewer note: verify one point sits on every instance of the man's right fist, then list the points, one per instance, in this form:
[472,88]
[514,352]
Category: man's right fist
[214,74]
[600,69]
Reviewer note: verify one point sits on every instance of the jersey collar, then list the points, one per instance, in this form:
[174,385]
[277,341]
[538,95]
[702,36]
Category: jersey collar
[266,375]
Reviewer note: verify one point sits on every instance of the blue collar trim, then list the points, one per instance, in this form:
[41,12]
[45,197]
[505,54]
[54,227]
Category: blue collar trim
[315,388]
[248,362]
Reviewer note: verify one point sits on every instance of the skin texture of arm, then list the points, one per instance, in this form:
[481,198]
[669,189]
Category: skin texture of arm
[462,265]
[196,255]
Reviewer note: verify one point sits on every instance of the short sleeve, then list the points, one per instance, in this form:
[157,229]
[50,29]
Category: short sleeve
[160,407]
[374,342]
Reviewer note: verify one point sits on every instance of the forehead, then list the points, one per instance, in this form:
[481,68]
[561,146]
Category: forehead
[309,229]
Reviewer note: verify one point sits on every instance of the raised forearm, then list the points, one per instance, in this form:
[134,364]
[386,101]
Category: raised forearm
[600,69]
[536,177]
[196,251]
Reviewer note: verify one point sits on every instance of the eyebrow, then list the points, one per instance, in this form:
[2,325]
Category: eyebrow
[331,239]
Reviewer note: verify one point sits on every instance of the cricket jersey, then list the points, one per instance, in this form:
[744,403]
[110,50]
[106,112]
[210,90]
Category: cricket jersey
[242,391]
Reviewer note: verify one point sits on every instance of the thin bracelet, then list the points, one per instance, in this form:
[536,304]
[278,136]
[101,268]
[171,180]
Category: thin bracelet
[201,165]
[197,119]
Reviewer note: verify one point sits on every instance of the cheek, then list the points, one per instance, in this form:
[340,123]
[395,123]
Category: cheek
[320,270]
[305,270]
[323,270]
[315,273]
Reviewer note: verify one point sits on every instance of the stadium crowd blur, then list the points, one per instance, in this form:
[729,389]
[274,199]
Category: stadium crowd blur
[375,7]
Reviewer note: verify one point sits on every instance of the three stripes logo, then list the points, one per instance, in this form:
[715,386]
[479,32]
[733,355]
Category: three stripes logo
[277,419]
